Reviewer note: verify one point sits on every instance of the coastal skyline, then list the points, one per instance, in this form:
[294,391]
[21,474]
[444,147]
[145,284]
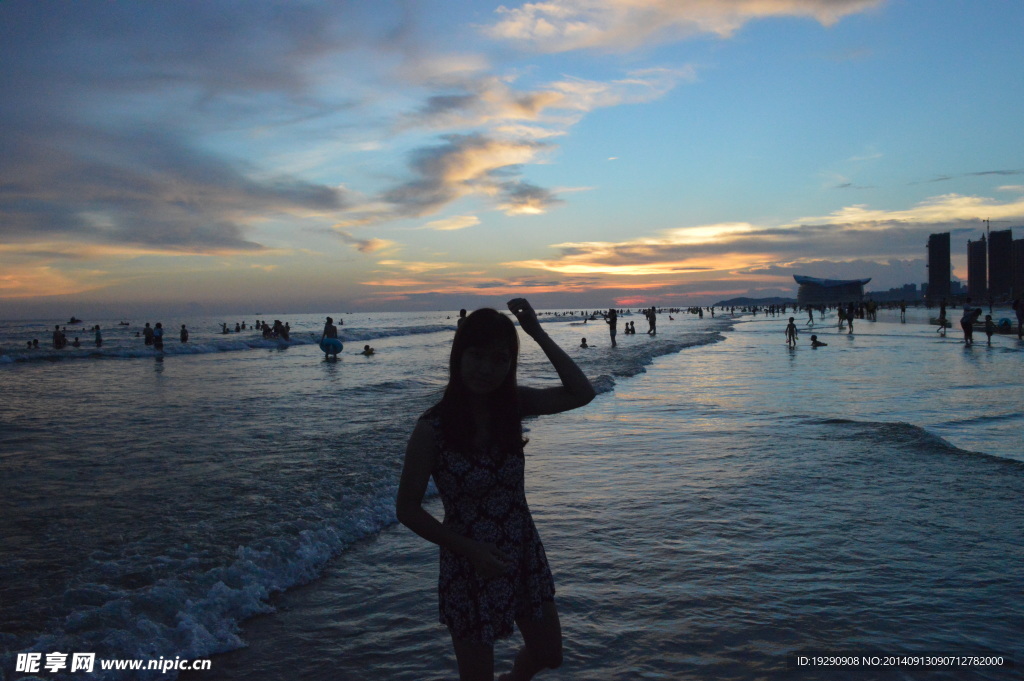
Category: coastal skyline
[226,156]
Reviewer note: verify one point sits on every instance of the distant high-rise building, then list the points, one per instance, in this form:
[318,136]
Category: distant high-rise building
[938,268]
[1000,264]
[977,269]
[1018,268]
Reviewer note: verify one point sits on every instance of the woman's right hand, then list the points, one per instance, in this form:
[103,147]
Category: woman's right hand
[488,560]
[526,315]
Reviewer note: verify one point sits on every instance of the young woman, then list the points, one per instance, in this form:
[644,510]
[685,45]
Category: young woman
[493,569]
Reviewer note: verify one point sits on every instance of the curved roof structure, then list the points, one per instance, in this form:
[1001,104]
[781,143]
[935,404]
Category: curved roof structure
[814,291]
[829,283]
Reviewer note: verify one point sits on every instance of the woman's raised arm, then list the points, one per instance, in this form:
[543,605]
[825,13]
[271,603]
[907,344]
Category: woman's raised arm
[575,390]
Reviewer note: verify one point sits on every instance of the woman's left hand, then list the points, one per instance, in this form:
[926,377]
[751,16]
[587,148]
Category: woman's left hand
[523,311]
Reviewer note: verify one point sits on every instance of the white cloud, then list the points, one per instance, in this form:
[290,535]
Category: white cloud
[371,245]
[563,25]
[453,223]
[545,111]
[946,208]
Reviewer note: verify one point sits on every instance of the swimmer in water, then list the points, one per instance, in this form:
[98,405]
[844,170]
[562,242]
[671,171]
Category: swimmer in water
[583,343]
[815,343]
[367,350]
[158,336]
[330,331]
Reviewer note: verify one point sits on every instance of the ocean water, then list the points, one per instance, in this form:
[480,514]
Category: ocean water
[725,504]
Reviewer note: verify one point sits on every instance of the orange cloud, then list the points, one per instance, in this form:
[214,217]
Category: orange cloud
[417,267]
[414,283]
[858,232]
[50,250]
[670,254]
[39,281]
[371,245]
[32,269]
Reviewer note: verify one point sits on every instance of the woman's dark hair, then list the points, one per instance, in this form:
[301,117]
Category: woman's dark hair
[482,327]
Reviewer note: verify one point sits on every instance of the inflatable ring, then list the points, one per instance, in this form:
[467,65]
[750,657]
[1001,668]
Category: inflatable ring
[331,346]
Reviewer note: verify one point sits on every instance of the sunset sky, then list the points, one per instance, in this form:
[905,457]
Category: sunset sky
[374,155]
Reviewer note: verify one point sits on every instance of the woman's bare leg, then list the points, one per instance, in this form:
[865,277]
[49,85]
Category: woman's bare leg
[542,647]
[476,660]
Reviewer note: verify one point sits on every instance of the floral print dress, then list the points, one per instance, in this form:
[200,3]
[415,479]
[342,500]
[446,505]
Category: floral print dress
[484,499]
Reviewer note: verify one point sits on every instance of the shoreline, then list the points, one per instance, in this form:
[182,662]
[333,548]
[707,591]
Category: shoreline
[667,487]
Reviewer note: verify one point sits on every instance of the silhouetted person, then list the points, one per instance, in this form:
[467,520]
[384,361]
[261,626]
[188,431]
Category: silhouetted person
[494,574]
[1018,307]
[330,330]
[967,321]
[791,333]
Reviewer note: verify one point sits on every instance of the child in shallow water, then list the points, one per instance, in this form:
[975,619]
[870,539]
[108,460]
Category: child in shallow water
[791,333]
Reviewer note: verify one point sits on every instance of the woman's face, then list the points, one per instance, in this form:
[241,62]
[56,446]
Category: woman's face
[484,367]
